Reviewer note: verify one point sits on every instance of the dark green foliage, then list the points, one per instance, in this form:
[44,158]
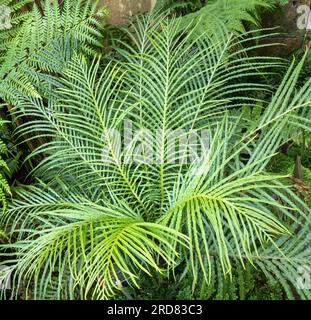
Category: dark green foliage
[285,163]
[4,173]
[245,284]
[205,15]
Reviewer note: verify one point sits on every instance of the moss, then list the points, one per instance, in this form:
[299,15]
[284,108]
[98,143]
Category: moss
[285,164]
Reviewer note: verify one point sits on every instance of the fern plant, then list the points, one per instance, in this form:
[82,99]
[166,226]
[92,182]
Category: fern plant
[4,186]
[98,217]
[30,49]
[233,13]
[245,284]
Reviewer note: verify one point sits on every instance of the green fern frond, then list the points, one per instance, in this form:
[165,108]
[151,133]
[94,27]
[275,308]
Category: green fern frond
[232,13]
[73,26]
[5,189]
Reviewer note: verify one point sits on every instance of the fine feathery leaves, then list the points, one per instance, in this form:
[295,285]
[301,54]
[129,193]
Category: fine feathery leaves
[233,13]
[41,41]
[110,206]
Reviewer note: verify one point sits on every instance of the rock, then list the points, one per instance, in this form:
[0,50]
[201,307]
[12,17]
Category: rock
[285,18]
[120,9]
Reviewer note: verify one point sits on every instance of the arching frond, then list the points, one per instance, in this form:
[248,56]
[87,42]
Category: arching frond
[100,244]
